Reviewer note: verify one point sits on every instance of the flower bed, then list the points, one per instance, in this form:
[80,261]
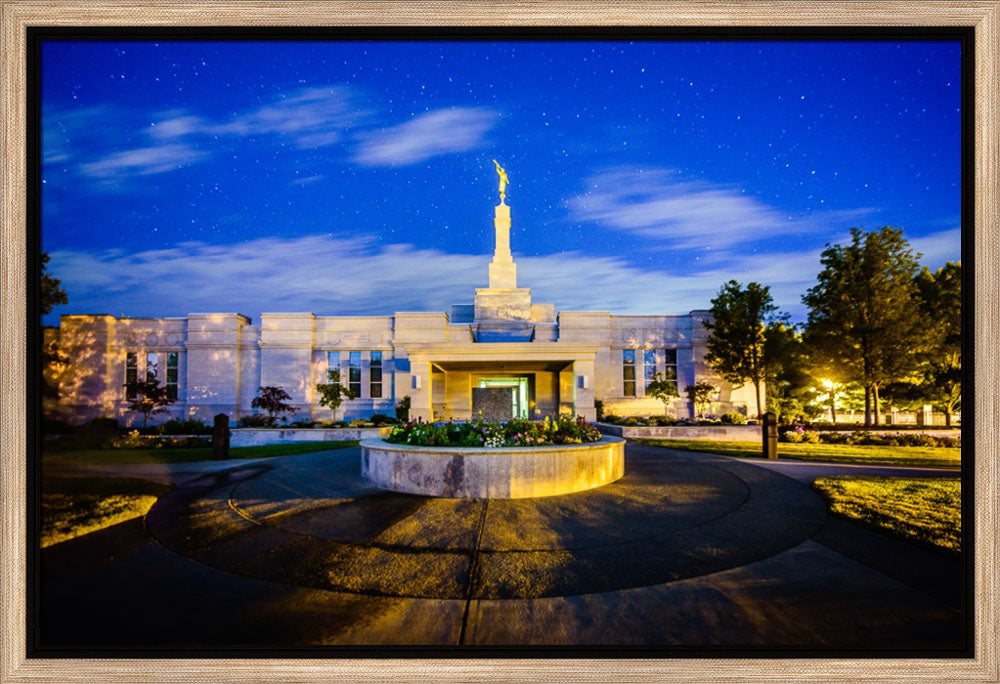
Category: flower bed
[513,433]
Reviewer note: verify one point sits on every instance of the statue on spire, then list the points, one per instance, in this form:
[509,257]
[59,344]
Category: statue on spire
[503,180]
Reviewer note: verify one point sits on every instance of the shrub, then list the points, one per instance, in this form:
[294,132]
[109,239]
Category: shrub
[733,418]
[190,426]
[403,409]
[810,437]
[302,424]
[99,426]
[382,419]
[256,420]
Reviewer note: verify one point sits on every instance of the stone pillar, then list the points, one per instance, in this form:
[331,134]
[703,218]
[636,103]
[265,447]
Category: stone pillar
[583,382]
[421,396]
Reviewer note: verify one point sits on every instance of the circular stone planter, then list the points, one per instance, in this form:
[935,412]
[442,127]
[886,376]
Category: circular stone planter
[492,473]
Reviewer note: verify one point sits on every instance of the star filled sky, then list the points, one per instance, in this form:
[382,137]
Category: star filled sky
[356,177]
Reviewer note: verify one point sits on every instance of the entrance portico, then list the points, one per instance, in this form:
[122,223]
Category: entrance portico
[558,377]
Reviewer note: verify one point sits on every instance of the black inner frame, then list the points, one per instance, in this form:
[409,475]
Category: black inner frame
[37,35]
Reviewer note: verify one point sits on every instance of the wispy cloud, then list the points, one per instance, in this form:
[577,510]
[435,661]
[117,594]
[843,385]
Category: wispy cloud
[938,248]
[310,118]
[657,203]
[333,275]
[63,129]
[439,132]
[143,161]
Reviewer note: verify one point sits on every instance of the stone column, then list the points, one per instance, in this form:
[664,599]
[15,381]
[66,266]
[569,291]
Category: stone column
[583,380]
[421,397]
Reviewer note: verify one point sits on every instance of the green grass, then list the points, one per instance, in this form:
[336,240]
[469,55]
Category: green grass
[145,456]
[74,506]
[931,457]
[924,511]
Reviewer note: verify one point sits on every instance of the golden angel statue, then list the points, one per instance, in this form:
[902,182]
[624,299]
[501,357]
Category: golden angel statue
[503,180]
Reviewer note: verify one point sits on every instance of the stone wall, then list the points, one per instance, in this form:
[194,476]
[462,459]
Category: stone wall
[718,433]
[241,437]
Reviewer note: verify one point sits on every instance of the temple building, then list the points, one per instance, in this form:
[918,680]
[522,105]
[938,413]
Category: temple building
[554,362]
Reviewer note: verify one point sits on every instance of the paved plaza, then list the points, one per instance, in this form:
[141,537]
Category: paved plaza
[686,550]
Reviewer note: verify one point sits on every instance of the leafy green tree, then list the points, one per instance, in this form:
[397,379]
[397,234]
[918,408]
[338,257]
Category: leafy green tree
[864,313]
[148,398]
[940,296]
[332,393]
[736,340]
[700,395]
[272,400]
[789,383]
[662,388]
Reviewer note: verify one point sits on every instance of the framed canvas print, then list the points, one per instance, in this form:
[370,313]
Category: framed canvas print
[511,341]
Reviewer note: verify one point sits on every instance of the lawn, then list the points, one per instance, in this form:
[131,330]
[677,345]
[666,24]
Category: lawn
[925,511]
[931,457]
[140,456]
[74,506]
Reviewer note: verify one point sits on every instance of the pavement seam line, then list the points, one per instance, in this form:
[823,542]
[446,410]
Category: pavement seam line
[473,567]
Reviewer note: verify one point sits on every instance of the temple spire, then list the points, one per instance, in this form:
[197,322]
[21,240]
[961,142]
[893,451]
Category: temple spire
[503,270]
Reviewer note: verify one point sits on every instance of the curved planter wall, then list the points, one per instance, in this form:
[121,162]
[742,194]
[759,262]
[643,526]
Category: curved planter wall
[492,473]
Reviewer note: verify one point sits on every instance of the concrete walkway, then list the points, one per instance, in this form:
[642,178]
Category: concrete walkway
[686,550]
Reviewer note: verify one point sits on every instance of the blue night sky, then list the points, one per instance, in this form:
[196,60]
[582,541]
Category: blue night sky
[349,178]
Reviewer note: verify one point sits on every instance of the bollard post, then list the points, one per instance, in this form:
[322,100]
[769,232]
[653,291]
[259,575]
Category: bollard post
[769,428]
[220,438]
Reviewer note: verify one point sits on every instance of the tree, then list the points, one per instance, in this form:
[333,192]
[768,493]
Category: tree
[789,383]
[700,395]
[51,296]
[147,398]
[662,388]
[332,393]
[272,400]
[940,297]
[864,315]
[736,341]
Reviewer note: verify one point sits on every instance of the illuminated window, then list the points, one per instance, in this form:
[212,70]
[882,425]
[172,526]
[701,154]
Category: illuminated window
[172,375]
[375,376]
[670,368]
[628,372]
[354,377]
[131,374]
[152,367]
[648,365]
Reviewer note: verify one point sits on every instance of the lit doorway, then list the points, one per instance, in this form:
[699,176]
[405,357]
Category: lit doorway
[519,397]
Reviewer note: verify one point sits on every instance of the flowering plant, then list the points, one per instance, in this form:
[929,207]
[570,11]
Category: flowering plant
[515,432]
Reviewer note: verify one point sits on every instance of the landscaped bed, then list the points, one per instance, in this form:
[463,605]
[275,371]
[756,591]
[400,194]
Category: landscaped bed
[139,456]
[75,506]
[925,511]
[930,457]
[481,433]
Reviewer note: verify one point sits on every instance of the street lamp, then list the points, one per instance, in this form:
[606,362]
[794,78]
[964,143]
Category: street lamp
[831,387]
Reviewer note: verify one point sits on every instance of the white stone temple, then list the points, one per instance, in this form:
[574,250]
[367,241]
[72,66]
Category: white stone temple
[555,362]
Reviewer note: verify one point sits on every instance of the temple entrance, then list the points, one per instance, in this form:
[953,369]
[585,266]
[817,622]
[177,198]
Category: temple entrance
[519,393]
